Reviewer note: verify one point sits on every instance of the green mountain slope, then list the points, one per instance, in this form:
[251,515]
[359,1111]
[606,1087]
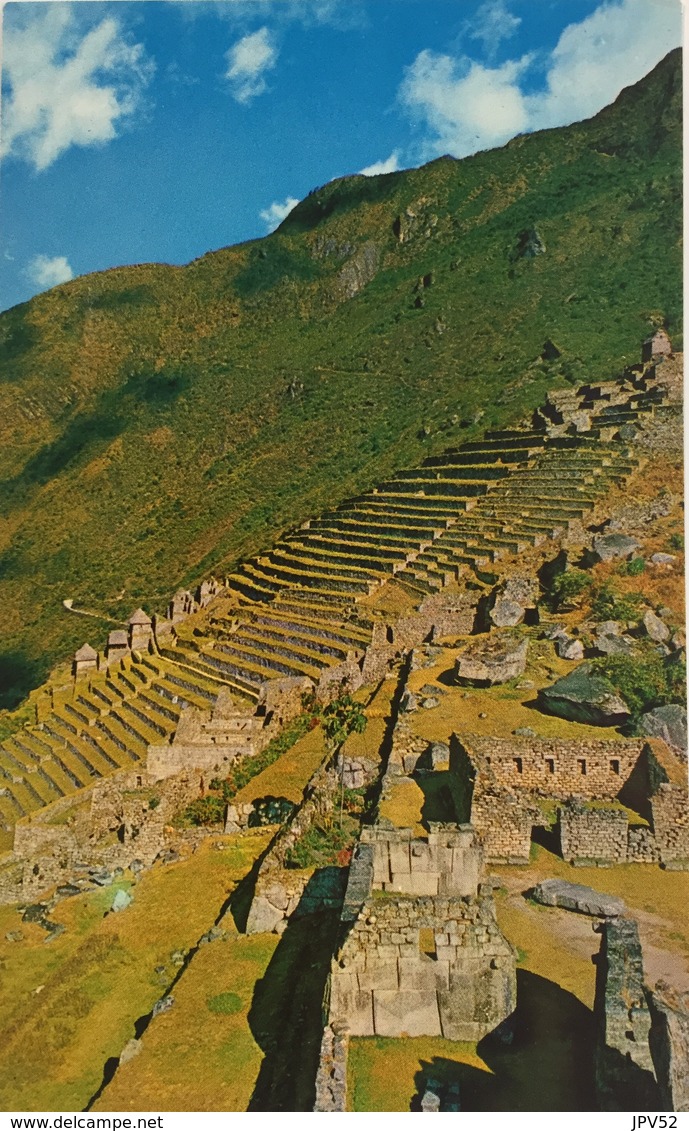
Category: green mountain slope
[158,423]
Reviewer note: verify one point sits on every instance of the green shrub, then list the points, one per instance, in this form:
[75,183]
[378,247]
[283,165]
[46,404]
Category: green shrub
[632,568]
[319,845]
[567,586]
[342,717]
[609,603]
[207,810]
[677,541]
[643,682]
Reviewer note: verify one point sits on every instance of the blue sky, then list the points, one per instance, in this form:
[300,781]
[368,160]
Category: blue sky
[157,130]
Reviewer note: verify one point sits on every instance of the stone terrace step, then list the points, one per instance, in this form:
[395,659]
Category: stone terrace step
[442,472]
[301,644]
[132,746]
[133,714]
[303,562]
[462,458]
[460,488]
[334,551]
[195,665]
[255,659]
[349,638]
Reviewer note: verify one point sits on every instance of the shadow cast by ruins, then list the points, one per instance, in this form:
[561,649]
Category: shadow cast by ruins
[548,1065]
[286,1015]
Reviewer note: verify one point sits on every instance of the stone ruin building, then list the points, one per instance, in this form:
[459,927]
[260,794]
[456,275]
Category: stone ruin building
[421,951]
[615,802]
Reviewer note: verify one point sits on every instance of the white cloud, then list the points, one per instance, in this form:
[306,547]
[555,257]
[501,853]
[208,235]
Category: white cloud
[492,23]
[66,84]
[46,272]
[276,212]
[247,62]
[390,165]
[616,46]
[467,106]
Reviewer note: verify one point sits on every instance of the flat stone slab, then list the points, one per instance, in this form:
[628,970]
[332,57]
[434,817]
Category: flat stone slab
[577,897]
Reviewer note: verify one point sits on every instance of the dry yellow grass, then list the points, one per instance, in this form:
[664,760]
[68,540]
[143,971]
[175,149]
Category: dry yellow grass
[195,1059]
[71,1004]
[290,774]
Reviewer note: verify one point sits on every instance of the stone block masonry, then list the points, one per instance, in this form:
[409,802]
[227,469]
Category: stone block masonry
[447,863]
[624,1070]
[509,786]
[596,835]
[428,966]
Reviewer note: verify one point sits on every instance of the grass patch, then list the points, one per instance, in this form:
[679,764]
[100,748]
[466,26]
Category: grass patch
[72,1004]
[226,1002]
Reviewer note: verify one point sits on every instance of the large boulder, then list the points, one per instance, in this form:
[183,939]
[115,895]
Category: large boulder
[606,547]
[491,661]
[584,697]
[569,648]
[577,897]
[654,627]
[506,613]
[669,723]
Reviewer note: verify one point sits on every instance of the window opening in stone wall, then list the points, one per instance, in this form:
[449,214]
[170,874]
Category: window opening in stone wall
[427,942]
[550,765]
[518,765]
[615,765]
[581,763]
[139,781]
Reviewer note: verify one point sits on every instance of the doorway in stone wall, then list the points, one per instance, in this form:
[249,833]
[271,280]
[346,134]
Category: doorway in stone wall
[547,835]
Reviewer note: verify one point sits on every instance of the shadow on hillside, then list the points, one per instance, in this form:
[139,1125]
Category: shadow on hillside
[286,1014]
[19,674]
[547,1067]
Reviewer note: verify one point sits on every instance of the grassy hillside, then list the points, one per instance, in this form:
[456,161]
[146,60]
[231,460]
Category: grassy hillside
[158,423]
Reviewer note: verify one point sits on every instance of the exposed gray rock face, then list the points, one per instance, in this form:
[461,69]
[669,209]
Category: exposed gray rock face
[408,702]
[522,589]
[121,901]
[429,702]
[507,613]
[263,916]
[163,1005]
[662,559]
[613,644]
[492,661]
[669,1043]
[439,753]
[609,546]
[669,723]
[654,627]
[577,897]
[569,649]
[529,244]
[584,697]
[130,1050]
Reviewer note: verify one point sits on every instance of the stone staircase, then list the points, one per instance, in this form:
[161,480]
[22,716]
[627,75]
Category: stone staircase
[296,610]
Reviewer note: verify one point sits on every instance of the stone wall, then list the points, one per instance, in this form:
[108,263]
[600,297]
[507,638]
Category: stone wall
[671,824]
[623,1065]
[449,862]
[593,835]
[556,768]
[505,782]
[504,824]
[448,613]
[669,1043]
[428,966]
[279,889]
[331,1079]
